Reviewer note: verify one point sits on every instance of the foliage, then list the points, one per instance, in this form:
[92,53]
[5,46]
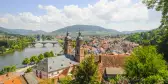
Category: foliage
[66,80]
[41,56]
[159,5]
[116,79]
[153,37]
[51,53]
[144,64]
[48,81]
[73,43]
[162,48]
[26,61]
[34,59]
[60,42]
[29,70]
[48,54]
[8,69]
[87,72]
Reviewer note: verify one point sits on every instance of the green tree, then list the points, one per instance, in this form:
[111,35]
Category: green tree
[159,5]
[26,61]
[40,57]
[29,70]
[7,69]
[13,68]
[51,54]
[46,54]
[145,63]
[34,59]
[66,80]
[163,46]
[87,72]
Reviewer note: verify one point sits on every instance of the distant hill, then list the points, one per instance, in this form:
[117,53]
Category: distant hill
[86,30]
[21,31]
[136,31]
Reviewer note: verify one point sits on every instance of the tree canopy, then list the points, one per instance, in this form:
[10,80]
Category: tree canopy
[34,59]
[87,72]
[41,56]
[145,65]
[26,61]
[7,69]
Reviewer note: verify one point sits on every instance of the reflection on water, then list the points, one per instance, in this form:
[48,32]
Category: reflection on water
[17,57]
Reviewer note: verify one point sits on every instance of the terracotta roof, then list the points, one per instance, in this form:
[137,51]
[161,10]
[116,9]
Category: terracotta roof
[113,60]
[12,78]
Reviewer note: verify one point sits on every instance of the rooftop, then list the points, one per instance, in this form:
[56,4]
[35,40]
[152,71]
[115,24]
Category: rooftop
[56,63]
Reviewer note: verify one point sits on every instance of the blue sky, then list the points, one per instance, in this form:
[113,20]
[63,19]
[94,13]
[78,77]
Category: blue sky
[49,15]
[16,6]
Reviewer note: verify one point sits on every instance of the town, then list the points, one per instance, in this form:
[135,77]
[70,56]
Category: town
[84,42]
[109,53]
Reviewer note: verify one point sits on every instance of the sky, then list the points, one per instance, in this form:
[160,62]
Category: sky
[50,15]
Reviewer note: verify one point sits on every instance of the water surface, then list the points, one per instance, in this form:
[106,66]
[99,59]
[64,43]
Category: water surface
[17,57]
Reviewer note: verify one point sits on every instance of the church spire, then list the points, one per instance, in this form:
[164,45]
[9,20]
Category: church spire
[67,32]
[79,34]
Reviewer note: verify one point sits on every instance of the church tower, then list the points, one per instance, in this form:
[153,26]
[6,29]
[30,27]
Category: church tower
[67,44]
[79,50]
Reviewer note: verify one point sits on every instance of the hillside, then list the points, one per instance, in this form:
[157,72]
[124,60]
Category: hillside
[136,31]
[152,37]
[86,30]
[21,31]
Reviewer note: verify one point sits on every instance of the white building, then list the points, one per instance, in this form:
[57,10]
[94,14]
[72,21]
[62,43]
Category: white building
[55,66]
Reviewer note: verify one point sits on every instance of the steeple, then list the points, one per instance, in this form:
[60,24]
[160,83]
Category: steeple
[79,50]
[79,35]
[67,43]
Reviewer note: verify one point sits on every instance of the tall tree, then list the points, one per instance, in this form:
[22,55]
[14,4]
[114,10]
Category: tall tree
[145,65]
[87,72]
[161,5]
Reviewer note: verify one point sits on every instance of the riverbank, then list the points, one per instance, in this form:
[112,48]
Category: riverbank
[10,50]
[24,69]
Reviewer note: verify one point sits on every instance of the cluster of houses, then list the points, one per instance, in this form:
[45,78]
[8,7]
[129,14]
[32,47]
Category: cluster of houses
[109,54]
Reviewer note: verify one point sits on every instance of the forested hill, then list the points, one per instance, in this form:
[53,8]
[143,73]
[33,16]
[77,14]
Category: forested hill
[86,30]
[152,37]
[21,31]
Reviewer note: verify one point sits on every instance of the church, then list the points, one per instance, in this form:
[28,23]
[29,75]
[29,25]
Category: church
[59,66]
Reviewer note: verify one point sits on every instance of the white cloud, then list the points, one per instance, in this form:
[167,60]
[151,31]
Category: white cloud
[3,20]
[115,14]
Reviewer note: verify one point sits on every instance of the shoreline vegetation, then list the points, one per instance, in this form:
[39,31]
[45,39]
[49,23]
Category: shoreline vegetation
[28,62]
[8,46]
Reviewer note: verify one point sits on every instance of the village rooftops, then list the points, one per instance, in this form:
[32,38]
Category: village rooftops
[56,63]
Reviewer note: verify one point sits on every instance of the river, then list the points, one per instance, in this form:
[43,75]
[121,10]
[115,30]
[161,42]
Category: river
[17,57]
